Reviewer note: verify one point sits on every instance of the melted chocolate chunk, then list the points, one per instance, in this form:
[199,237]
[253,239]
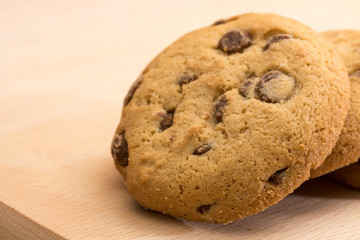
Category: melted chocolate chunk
[119,150]
[203,149]
[235,41]
[274,87]
[355,74]
[277,177]
[132,90]
[276,38]
[167,120]
[187,78]
[220,108]
[247,87]
[203,208]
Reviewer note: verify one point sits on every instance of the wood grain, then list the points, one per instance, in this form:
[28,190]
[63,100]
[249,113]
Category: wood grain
[14,225]
[65,67]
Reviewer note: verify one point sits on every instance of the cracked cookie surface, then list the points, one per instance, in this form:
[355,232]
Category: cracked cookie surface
[231,118]
[347,150]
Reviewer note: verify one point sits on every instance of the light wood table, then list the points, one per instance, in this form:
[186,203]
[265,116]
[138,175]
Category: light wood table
[65,67]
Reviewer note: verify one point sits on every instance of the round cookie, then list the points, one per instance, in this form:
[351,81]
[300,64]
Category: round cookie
[231,118]
[347,150]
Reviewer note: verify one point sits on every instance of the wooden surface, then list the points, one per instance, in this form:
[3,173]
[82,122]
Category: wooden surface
[65,67]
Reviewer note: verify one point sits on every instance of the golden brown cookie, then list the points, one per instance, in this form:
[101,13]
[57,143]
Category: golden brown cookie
[230,118]
[347,150]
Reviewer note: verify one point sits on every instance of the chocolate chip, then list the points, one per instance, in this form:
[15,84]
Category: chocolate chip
[220,108]
[187,78]
[203,208]
[355,74]
[277,177]
[274,87]
[119,149]
[276,38]
[167,120]
[218,22]
[132,90]
[359,161]
[270,75]
[235,41]
[203,149]
[247,88]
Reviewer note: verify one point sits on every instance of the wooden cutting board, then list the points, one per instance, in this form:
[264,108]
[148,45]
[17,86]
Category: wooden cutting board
[65,67]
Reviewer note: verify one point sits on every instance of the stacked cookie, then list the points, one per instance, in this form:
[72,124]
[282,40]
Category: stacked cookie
[347,150]
[231,118]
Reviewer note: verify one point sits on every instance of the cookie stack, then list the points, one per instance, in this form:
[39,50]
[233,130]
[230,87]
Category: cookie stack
[231,118]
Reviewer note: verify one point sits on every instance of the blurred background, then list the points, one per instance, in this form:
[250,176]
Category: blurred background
[87,40]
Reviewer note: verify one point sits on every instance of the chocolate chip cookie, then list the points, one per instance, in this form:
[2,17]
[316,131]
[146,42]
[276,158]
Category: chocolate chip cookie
[347,150]
[231,118]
